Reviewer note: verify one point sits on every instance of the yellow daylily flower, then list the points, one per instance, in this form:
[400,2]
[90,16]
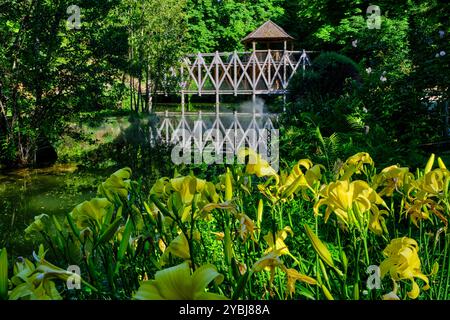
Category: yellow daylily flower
[297,180]
[161,188]
[187,187]
[376,220]
[38,225]
[354,164]
[287,185]
[35,282]
[182,195]
[350,201]
[256,164]
[402,263]
[247,227]
[392,178]
[177,283]
[297,171]
[271,260]
[268,262]
[94,210]
[293,276]
[224,206]
[359,160]
[277,243]
[420,210]
[117,186]
[178,247]
[433,182]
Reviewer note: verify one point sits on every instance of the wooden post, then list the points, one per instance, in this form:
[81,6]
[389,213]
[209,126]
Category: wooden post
[167,126]
[182,91]
[182,102]
[217,82]
[269,82]
[235,73]
[254,102]
[254,81]
[284,65]
[200,61]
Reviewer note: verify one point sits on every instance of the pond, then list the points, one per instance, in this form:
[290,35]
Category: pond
[109,144]
[25,193]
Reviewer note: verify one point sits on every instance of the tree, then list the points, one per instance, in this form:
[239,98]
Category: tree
[220,25]
[156,35]
[50,72]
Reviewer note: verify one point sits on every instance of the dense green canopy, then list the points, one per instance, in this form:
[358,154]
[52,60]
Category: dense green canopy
[50,73]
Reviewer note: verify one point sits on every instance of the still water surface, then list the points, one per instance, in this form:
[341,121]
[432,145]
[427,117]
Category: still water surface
[25,193]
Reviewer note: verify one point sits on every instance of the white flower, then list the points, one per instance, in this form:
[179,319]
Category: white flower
[441,33]
[437,55]
[442,53]
[369,70]
[365,109]
[383,79]
[355,43]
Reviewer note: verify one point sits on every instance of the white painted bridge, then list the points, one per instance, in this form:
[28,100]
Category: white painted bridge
[259,72]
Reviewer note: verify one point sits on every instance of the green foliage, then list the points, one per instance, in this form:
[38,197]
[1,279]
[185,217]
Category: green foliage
[284,247]
[3,274]
[327,78]
[52,73]
[220,25]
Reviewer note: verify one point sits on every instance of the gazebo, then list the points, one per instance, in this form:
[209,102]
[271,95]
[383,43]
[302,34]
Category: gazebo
[268,33]
[266,70]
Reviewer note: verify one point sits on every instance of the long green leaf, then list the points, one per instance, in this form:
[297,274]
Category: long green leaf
[241,285]
[3,275]
[125,240]
[109,232]
[321,249]
[72,225]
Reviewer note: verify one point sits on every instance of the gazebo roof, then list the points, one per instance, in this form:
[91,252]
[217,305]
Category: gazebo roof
[268,32]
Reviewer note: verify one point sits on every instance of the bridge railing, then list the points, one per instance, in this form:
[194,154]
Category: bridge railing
[257,72]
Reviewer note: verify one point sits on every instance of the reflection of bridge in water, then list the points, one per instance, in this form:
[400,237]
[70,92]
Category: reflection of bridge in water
[226,133]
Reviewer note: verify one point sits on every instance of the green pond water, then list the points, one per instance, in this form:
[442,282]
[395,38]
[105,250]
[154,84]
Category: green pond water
[114,142]
[26,193]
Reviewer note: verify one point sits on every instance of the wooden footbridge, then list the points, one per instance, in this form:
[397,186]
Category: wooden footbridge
[255,72]
[252,73]
[261,72]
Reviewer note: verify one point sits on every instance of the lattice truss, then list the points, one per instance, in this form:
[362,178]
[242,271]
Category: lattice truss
[226,133]
[258,72]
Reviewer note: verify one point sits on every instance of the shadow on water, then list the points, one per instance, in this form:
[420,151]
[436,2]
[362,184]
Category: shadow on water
[26,193]
[133,148]
[56,190]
